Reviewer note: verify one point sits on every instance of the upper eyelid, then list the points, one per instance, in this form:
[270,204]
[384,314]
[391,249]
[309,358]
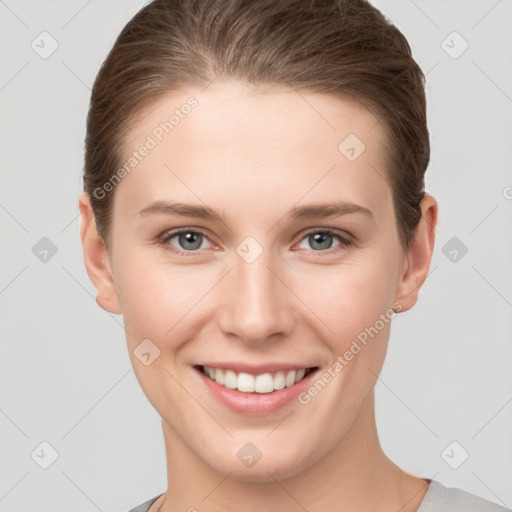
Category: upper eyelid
[171,233]
[331,231]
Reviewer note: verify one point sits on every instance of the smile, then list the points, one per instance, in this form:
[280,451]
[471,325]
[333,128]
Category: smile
[261,383]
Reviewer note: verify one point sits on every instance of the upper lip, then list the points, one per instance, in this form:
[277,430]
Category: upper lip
[256,369]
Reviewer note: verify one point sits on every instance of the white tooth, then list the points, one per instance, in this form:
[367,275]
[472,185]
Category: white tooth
[290,378]
[219,376]
[264,383]
[245,382]
[248,383]
[279,380]
[230,380]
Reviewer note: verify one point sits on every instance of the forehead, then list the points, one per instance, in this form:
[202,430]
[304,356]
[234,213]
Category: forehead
[243,143]
[231,108]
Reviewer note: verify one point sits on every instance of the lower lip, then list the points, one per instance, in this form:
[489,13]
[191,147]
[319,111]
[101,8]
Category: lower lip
[255,403]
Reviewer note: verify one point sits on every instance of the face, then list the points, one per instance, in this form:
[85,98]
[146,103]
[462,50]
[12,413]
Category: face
[256,235]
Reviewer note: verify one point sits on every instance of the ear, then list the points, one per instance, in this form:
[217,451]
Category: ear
[96,258]
[419,255]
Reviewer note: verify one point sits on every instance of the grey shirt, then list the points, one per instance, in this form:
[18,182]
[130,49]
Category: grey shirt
[437,499]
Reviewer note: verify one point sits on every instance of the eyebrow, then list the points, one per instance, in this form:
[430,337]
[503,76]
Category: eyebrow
[183,209]
[312,211]
[328,210]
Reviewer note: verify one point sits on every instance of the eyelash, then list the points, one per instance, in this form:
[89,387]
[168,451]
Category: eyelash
[164,239]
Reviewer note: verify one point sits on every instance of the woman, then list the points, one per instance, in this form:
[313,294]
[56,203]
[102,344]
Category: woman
[254,206]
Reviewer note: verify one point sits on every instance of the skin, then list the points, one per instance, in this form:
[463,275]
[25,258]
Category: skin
[253,155]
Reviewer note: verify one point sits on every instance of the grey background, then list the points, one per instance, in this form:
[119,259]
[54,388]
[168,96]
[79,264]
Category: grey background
[65,375]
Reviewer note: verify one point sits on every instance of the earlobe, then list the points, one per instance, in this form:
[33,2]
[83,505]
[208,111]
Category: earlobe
[96,258]
[419,255]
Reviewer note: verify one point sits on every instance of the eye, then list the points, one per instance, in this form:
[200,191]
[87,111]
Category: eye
[322,240]
[187,241]
[184,241]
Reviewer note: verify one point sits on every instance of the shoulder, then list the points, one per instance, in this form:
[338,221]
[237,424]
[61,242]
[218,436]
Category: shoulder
[144,507]
[448,499]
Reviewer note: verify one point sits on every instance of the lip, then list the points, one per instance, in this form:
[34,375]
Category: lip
[254,404]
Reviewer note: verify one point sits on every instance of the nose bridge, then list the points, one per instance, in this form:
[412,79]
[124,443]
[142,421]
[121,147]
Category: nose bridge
[254,305]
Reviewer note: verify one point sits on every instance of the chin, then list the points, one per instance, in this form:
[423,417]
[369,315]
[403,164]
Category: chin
[268,469]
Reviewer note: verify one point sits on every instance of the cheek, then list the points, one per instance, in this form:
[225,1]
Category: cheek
[157,298]
[355,302]
[157,301]
[349,298]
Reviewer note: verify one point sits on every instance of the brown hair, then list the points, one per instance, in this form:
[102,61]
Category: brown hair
[342,47]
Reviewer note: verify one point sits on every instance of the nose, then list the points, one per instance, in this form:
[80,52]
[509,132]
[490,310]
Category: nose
[255,304]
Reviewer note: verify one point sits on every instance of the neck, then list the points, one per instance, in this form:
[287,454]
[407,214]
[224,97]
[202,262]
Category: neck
[354,475]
